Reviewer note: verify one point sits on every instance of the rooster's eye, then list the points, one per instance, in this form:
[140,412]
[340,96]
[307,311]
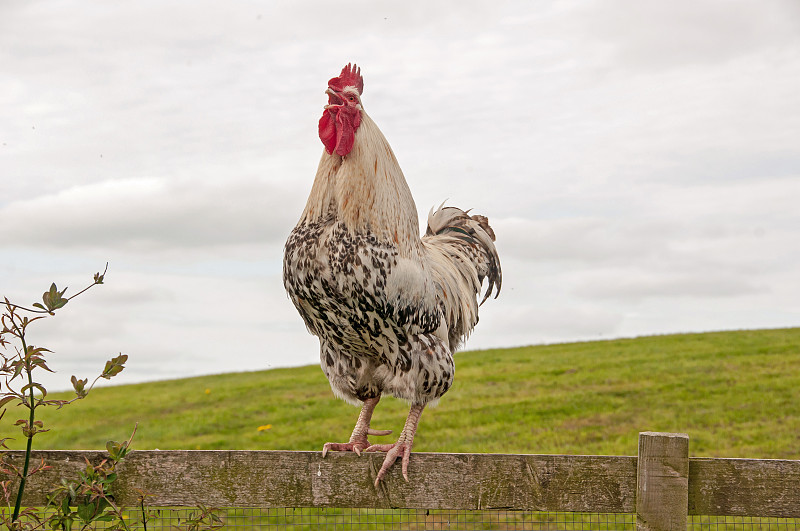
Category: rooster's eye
[351,98]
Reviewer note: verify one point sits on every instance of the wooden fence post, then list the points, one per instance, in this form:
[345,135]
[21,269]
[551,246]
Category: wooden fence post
[662,482]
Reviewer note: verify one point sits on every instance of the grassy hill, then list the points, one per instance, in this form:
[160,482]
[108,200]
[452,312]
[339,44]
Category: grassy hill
[737,394]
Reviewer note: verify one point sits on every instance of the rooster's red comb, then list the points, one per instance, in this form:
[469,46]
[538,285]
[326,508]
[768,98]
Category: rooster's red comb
[350,77]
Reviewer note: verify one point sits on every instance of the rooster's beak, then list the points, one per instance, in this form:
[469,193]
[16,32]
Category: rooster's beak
[334,97]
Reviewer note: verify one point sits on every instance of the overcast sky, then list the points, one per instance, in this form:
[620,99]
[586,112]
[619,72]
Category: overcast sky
[639,162]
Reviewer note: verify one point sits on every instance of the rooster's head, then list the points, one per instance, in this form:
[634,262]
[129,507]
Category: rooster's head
[342,115]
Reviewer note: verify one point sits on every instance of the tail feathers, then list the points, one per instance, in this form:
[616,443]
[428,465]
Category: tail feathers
[462,252]
[474,231]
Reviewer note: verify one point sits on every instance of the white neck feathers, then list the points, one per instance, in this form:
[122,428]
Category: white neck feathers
[365,190]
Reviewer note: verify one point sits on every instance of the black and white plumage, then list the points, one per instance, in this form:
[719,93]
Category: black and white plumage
[388,306]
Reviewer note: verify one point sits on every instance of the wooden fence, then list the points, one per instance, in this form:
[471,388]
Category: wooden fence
[662,485]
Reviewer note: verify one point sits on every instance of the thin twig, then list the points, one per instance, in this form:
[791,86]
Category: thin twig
[50,312]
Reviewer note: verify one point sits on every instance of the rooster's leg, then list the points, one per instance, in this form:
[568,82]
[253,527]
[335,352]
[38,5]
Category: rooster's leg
[402,446]
[358,440]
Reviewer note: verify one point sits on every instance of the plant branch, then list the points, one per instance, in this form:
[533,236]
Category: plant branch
[98,279]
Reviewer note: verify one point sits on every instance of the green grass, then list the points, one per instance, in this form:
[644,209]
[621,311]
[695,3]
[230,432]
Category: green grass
[737,394]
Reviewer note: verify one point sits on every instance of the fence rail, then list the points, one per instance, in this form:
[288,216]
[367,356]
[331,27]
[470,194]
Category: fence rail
[662,485]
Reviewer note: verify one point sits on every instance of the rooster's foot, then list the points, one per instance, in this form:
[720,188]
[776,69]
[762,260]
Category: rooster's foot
[401,447]
[393,451]
[357,444]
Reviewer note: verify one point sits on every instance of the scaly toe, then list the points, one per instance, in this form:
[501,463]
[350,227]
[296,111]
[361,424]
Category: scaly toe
[356,447]
[379,448]
[392,453]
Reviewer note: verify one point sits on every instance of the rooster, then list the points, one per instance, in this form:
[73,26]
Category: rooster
[389,307]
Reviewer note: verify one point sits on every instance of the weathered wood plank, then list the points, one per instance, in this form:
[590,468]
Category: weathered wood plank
[732,487]
[662,487]
[744,487]
[304,479]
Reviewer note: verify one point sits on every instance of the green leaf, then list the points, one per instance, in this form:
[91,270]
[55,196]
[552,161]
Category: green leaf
[41,363]
[18,366]
[86,511]
[6,399]
[113,448]
[35,386]
[53,298]
[33,354]
[114,366]
[79,386]
[101,505]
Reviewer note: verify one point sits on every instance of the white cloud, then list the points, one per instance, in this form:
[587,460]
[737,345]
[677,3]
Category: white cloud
[586,240]
[151,214]
[637,285]
[653,35]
